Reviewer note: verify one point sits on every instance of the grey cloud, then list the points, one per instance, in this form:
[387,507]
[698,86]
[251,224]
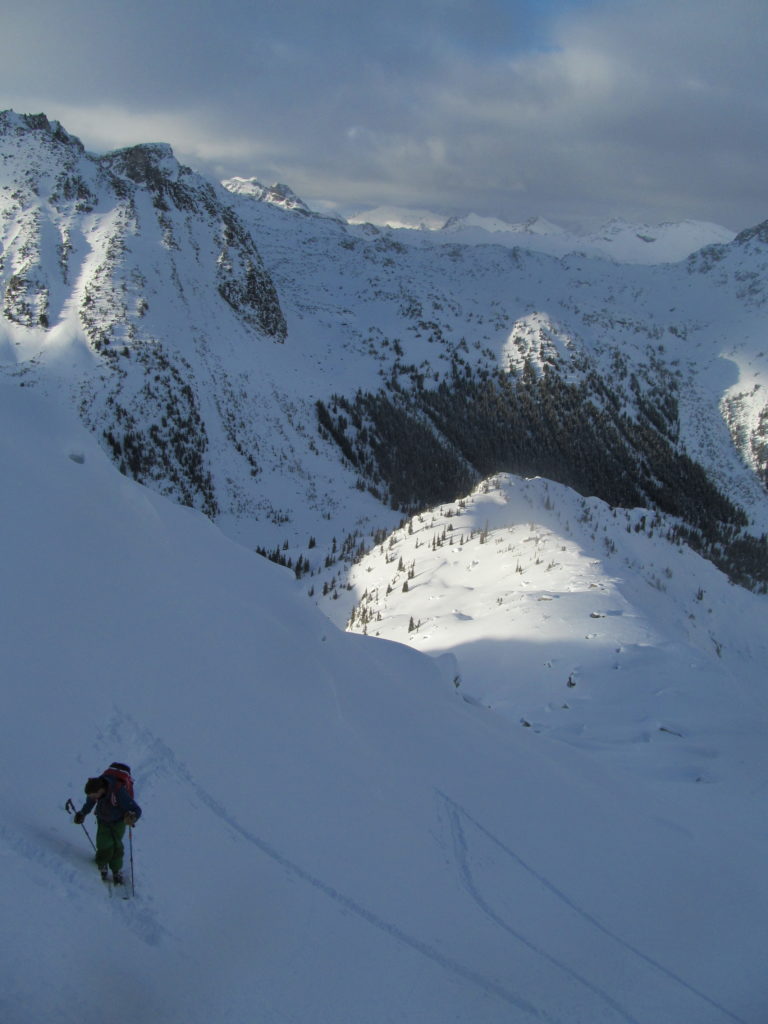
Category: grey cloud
[577,109]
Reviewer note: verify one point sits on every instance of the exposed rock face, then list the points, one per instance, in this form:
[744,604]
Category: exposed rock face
[123,250]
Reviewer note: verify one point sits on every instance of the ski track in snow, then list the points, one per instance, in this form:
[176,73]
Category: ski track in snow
[160,751]
[73,866]
[348,903]
[161,757]
[461,851]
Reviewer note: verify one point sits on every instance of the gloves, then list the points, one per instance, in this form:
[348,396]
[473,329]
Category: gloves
[79,818]
[130,819]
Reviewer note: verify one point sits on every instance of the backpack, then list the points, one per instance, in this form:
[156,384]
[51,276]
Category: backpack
[121,775]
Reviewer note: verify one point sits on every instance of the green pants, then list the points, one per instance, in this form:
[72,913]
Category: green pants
[109,845]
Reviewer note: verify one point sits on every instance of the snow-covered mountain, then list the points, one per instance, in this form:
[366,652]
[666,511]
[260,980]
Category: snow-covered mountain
[263,364]
[399,217]
[278,194]
[550,810]
[617,240]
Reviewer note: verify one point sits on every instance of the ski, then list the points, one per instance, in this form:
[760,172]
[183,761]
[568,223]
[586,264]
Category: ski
[121,889]
[117,890]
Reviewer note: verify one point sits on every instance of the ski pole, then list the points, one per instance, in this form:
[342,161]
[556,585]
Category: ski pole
[130,845]
[69,807]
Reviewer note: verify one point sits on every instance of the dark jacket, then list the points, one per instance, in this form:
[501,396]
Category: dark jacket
[114,805]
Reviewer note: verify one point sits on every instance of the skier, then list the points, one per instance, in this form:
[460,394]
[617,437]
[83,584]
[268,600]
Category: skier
[115,811]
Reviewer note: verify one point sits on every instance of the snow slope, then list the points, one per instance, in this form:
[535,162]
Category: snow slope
[330,832]
[561,611]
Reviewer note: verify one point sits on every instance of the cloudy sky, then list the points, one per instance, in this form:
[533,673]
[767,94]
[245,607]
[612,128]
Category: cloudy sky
[575,110]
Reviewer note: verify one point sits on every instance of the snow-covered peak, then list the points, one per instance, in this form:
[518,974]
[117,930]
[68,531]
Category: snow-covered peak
[668,242]
[146,163]
[618,240]
[12,123]
[279,195]
[400,218]
[532,226]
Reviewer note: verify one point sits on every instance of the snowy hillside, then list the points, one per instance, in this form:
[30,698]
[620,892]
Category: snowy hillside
[330,832]
[560,610]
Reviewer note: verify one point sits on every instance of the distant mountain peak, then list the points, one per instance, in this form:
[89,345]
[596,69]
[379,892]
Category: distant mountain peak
[399,217]
[277,194]
[532,226]
[617,239]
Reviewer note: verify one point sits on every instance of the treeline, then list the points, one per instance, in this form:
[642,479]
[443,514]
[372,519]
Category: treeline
[418,447]
[396,450]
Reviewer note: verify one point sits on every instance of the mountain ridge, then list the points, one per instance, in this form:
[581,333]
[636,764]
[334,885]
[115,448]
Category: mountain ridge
[618,240]
[142,289]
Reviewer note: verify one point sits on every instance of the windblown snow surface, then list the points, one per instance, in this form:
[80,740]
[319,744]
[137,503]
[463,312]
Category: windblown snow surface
[334,832]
